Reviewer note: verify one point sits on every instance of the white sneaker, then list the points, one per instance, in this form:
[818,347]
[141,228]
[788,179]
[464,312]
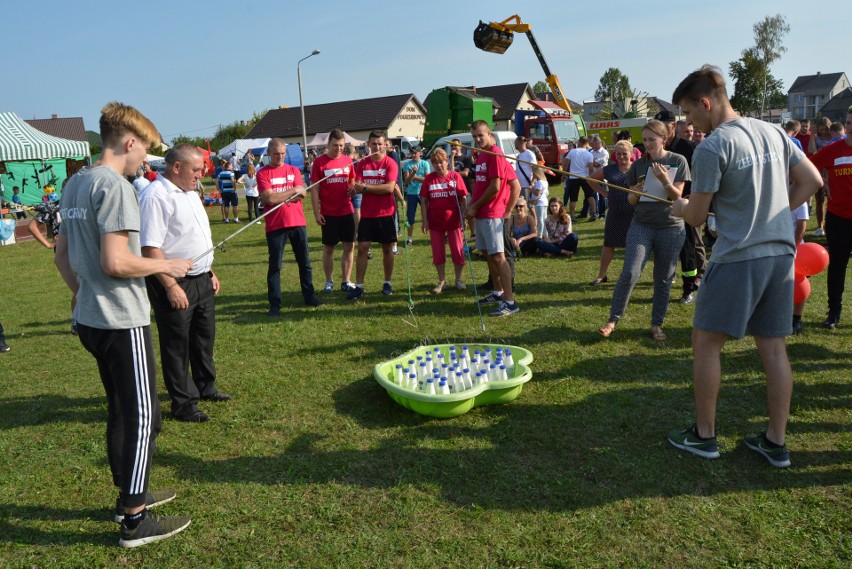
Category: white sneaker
[460,286]
[819,232]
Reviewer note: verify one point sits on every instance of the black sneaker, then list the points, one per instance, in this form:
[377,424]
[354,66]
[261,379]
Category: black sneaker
[687,298]
[776,455]
[831,322]
[152,528]
[152,500]
[505,309]
[798,326]
[312,301]
[348,287]
[491,298]
[387,290]
[689,441]
[355,293]
[4,347]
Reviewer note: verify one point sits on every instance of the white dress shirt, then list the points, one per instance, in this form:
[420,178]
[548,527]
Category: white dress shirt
[175,222]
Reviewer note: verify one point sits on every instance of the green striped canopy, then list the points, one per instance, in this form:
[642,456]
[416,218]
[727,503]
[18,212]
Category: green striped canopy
[20,141]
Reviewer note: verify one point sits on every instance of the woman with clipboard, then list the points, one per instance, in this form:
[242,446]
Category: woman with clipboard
[654,229]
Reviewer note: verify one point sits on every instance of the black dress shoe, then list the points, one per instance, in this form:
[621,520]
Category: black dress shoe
[831,322]
[598,281]
[312,301]
[687,298]
[216,397]
[195,416]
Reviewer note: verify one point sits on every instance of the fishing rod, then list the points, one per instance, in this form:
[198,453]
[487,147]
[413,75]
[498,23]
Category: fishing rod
[561,171]
[297,195]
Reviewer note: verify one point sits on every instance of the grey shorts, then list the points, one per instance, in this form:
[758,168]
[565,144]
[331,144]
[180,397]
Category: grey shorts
[752,297]
[489,235]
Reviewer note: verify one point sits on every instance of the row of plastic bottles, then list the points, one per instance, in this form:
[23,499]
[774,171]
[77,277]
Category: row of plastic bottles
[458,370]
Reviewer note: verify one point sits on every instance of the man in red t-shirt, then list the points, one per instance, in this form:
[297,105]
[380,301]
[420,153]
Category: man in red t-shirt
[495,191]
[149,173]
[375,179]
[836,159]
[333,209]
[804,135]
[277,183]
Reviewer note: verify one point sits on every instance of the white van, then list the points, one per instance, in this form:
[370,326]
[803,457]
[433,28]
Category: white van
[505,139]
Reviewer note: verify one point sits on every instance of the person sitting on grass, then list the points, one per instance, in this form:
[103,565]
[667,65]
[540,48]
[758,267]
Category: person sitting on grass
[443,197]
[561,239]
[524,229]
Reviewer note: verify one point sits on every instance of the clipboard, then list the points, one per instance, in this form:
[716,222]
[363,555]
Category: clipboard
[653,187]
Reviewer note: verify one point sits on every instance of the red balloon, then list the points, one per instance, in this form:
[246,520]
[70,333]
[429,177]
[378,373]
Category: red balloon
[801,290]
[811,259]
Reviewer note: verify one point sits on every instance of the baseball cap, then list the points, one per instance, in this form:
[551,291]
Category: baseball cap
[665,116]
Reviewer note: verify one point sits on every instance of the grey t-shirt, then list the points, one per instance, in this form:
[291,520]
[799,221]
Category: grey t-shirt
[95,201]
[657,214]
[746,164]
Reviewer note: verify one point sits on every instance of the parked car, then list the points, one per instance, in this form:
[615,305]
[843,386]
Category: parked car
[505,139]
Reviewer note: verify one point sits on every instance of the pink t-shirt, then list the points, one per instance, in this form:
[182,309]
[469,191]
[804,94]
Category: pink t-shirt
[282,179]
[374,173]
[332,191]
[489,167]
[443,193]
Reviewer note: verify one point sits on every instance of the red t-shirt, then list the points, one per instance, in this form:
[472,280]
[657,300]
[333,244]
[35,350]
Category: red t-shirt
[332,191]
[374,173]
[837,159]
[804,139]
[150,175]
[443,193]
[489,167]
[282,179]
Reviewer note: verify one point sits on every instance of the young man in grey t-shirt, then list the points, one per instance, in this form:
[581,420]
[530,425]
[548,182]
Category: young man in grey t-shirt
[99,258]
[744,169]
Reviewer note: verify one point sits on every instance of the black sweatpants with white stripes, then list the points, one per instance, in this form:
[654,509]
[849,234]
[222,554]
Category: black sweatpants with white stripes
[126,364]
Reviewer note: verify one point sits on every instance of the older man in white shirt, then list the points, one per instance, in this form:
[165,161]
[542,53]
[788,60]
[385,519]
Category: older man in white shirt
[175,225]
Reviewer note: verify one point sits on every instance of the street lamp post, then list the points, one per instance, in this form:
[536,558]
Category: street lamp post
[302,104]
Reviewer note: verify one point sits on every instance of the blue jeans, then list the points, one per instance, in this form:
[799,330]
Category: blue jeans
[411,203]
[275,240]
[568,244]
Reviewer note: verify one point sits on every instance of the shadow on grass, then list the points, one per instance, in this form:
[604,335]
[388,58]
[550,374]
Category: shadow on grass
[46,409]
[16,526]
[605,448]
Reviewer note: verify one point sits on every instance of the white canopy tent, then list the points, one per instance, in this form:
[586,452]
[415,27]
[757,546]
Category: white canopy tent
[321,139]
[241,146]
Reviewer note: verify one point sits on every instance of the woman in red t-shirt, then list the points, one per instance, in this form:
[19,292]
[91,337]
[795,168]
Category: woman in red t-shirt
[444,206]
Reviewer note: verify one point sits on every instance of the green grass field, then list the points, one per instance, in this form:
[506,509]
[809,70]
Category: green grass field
[313,465]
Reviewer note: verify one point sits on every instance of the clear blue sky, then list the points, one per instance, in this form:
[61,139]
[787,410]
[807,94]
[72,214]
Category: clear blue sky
[192,65]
